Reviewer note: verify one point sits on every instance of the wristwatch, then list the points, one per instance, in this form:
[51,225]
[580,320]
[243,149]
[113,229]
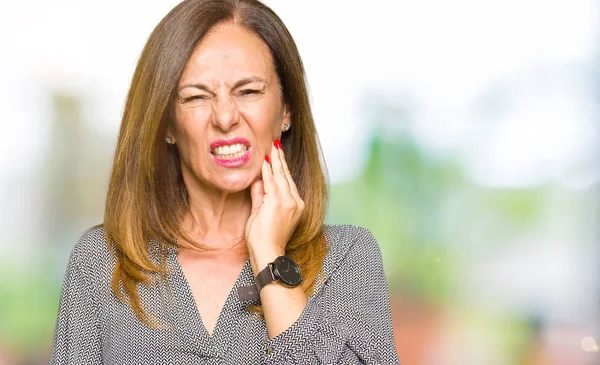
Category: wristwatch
[283,269]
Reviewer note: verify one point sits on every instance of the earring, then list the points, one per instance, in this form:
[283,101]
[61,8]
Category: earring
[169,140]
[286,127]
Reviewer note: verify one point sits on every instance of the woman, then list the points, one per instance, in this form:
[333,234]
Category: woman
[213,248]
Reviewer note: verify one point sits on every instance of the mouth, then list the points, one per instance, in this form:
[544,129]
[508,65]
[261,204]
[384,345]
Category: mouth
[229,149]
[231,153]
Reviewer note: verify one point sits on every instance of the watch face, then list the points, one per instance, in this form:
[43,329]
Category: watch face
[287,271]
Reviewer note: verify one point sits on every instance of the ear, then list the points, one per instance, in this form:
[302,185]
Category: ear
[287,119]
[169,136]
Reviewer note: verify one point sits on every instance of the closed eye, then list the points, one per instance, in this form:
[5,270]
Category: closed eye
[195,97]
[246,92]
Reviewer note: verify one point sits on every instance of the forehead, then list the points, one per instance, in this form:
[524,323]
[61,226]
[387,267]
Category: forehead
[227,53]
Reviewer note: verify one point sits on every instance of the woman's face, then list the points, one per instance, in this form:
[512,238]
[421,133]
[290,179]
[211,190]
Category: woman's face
[229,110]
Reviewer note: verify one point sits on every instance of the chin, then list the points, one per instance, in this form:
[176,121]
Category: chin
[231,188]
[234,184]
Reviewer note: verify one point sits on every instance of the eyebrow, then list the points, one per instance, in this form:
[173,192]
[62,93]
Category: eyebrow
[239,83]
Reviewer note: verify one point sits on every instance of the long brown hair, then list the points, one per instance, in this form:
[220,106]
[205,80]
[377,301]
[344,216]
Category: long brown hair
[147,198]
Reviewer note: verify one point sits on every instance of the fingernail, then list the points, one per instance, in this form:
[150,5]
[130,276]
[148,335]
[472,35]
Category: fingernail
[277,143]
[267,159]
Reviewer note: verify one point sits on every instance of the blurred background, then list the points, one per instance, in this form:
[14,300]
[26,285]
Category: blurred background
[465,134]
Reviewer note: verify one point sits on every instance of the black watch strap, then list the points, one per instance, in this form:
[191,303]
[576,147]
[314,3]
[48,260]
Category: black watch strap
[265,277]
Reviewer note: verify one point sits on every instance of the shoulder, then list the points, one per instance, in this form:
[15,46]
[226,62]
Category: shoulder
[91,244]
[349,243]
[341,238]
[91,255]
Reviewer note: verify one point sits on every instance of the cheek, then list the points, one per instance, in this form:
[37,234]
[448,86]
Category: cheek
[191,124]
[190,134]
[263,117]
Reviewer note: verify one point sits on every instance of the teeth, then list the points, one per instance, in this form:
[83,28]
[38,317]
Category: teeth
[232,155]
[234,149]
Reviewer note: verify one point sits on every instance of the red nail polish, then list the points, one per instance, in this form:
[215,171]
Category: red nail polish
[267,159]
[277,143]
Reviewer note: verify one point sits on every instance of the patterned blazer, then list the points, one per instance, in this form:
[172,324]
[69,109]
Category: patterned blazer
[347,319]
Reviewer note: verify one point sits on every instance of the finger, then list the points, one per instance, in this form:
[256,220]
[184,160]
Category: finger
[284,164]
[288,175]
[293,187]
[267,178]
[257,193]
[276,161]
[279,175]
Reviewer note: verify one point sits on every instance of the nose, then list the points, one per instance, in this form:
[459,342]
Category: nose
[225,114]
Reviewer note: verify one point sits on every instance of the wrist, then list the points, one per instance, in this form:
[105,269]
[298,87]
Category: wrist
[260,259]
[283,270]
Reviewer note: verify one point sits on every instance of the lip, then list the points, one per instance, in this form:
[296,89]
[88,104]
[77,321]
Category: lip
[233,162]
[227,142]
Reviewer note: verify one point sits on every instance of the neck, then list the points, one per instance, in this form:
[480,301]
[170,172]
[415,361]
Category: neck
[218,219]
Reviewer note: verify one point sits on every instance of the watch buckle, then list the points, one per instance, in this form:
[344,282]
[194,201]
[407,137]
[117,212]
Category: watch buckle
[271,271]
